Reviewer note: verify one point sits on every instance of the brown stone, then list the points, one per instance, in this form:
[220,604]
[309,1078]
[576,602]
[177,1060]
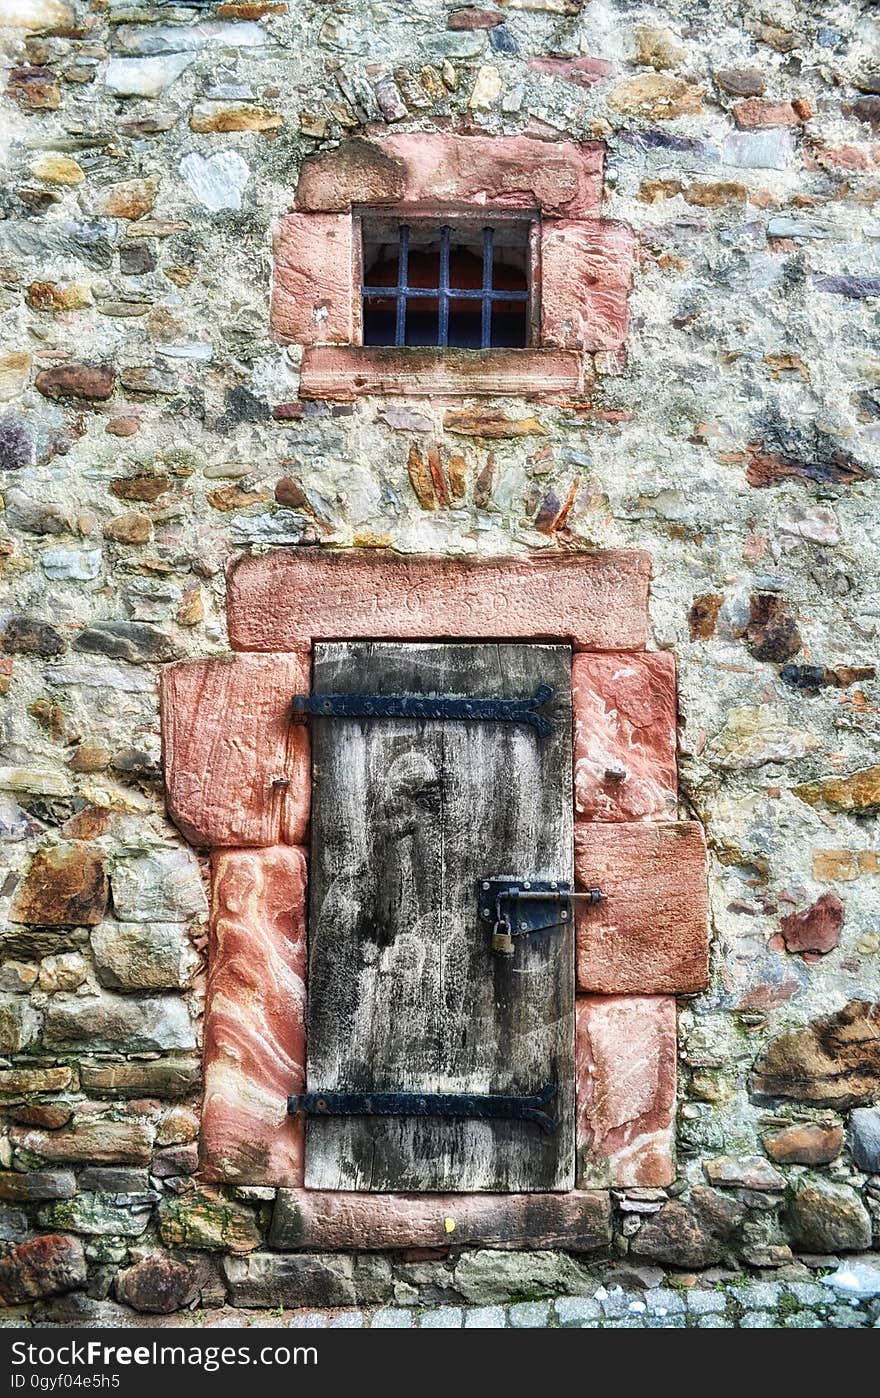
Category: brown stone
[90,757]
[693,1233]
[826,1217]
[833,1062]
[583,71]
[172,1077]
[420,477]
[255,1018]
[743,1172]
[624,736]
[474,19]
[236,767]
[130,528]
[49,296]
[288,597]
[715,194]
[658,47]
[576,1221]
[758,114]
[35,89]
[36,1186]
[90,382]
[772,632]
[142,486]
[656,96]
[809,1143]
[741,82]
[490,425]
[16,1082]
[649,934]
[44,1266]
[158,1284]
[233,116]
[626,1062]
[562,178]
[208,1220]
[89,1138]
[768,468]
[66,886]
[128,199]
[817,928]
[703,615]
[24,635]
[858,792]
[843,865]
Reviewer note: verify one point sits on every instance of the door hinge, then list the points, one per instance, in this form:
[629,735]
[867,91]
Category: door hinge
[420,706]
[517,906]
[465,1105]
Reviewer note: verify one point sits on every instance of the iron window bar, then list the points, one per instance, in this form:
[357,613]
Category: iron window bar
[486,294]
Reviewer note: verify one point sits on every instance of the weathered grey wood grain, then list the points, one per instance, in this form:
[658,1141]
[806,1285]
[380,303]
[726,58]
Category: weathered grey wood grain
[404,990]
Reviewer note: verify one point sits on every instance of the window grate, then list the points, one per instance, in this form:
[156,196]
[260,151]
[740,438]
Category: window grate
[443,293]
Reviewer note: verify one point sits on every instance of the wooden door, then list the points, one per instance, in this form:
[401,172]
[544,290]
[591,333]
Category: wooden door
[405,991]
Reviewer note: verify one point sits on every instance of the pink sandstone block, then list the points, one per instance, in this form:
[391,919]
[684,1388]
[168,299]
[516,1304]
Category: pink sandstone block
[586,274]
[650,933]
[236,769]
[288,597]
[337,371]
[436,169]
[313,280]
[624,736]
[255,1015]
[578,1221]
[626,1060]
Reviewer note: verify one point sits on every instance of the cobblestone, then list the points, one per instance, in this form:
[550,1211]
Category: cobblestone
[394,1319]
[443,1318]
[577,1310]
[530,1315]
[485,1318]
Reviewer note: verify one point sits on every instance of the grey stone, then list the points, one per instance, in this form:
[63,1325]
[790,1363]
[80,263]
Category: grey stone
[803,1320]
[714,1322]
[99,676]
[161,886]
[348,1320]
[114,1179]
[864,1138]
[71,565]
[290,1279]
[807,1293]
[664,1299]
[111,1022]
[576,1310]
[217,181]
[19,1023]
[859,1278]
[14,1224]
[145,77]
[443,1318]
[705,1302]
[529,1315]
[391,1318]
[35,516]
[37,1186]
[827,1217]
[487,1276]
[139,40]
[759,150]
[757,1320]
[136,642]
[96,1213]
[758,1295]
[484,1318]
[143,956]
[91,241]
[273,527]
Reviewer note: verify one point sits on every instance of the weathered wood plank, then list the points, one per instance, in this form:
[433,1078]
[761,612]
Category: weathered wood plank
[405,993]
[578,1221]
[284,599]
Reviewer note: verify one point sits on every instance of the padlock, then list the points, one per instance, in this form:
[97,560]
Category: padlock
[502,941]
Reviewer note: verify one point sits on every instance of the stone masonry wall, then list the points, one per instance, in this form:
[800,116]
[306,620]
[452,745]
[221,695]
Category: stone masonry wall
[150,430]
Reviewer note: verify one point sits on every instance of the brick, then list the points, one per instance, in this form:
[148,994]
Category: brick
[287,598]
[313,279]
[649,935]
[563,178]
[236,768]
[255,1018]
[626,1062]
[576,1221]
[586,273]
[348,371]
[624,736]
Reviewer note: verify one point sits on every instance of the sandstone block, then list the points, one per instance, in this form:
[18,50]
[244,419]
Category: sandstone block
[158,1284]
[287,598]
[312,285]
[36,1186]
[586,271]
[624,736]
[83,382]
[309,1279]
[649,934]
[626,1074]
[171,1077]
[817,928]
[236,768]
[255,1018]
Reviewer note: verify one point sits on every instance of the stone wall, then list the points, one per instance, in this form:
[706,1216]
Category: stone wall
[150,429]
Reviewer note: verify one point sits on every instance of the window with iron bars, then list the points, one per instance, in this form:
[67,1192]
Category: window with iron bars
[458,284]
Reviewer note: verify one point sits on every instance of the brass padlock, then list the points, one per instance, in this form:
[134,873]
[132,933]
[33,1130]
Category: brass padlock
[502,940]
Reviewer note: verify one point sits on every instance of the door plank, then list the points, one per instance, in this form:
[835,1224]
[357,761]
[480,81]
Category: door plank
[404,991]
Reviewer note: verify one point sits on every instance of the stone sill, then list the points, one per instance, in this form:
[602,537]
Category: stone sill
[347,371]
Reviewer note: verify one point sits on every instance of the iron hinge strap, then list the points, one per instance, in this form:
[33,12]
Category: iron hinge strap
[420,706]
[464,1105]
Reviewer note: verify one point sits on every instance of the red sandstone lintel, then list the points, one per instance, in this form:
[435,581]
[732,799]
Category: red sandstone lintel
[578,1221]
[255,1018]
[563,179]
[649,935]
[626,1062]
[313,280]
[288,598]
[624,736]
[236,768]
[586,272]
[347,371]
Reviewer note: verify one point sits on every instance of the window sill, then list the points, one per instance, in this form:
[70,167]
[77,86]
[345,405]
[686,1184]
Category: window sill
[348,371]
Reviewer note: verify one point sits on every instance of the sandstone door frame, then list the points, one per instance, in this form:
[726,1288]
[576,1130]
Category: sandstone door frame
[241,787]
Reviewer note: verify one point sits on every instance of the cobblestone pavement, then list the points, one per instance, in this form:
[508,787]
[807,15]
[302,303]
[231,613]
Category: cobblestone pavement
[745,1305]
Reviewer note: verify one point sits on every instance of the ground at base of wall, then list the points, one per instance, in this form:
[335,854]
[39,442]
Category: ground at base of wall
[710,1302]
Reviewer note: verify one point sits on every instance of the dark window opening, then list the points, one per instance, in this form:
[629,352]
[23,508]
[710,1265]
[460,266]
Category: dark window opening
[461,285]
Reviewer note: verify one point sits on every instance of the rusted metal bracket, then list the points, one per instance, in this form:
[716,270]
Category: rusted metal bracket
[421,706]
[464,1105]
